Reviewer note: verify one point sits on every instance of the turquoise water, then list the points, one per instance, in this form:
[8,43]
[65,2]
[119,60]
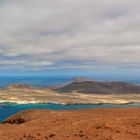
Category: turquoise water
[7,110]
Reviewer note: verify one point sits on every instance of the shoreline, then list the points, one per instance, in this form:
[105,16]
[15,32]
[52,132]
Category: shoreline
[64,104]
[9,109]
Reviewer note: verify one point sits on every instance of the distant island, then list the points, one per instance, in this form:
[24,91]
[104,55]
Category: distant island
[79,91]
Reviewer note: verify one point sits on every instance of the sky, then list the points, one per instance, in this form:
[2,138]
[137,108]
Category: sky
[82,37]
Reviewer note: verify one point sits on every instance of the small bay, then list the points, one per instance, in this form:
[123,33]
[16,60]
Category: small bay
[8,109]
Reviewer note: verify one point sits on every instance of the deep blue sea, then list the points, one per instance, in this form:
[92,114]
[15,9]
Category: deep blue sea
[35,81]
[45,81]
[8,109]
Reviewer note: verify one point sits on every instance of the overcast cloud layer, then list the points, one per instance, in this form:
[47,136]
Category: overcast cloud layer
[37,35]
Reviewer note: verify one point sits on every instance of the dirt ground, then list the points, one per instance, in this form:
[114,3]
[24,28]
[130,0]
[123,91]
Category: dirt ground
[84,124]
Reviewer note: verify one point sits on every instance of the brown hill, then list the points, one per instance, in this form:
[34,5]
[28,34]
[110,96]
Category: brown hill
[100,87]
[87,124]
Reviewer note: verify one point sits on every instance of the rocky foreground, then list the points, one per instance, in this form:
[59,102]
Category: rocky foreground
[89,124]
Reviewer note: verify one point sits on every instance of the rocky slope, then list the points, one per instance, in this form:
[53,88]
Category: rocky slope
[88,124]
[100,87]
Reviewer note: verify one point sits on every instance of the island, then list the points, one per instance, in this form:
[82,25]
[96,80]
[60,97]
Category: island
[75,92]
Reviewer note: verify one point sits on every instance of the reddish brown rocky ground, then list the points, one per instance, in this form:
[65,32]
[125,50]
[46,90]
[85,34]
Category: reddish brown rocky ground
[88,124]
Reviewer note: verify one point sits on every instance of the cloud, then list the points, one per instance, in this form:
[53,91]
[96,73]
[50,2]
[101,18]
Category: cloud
[62,34]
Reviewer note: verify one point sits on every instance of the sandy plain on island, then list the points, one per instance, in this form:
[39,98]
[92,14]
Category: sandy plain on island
[45,95]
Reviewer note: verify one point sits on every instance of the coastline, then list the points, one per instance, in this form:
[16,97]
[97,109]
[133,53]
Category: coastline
[58,103]
[9,109]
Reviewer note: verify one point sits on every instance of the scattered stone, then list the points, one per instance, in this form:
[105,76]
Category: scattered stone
[52,135]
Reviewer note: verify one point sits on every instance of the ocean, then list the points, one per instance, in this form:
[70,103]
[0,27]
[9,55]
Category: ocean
[45,81]
[8,109]
[35,81]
